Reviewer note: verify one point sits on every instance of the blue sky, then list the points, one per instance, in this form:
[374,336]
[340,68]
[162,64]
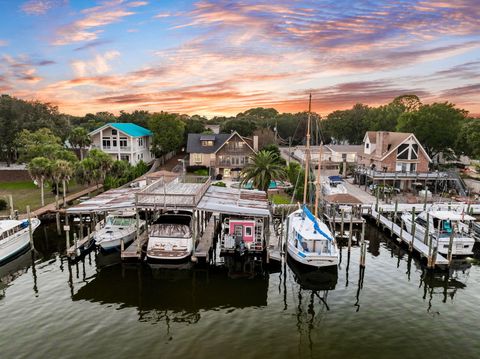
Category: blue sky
[222,57]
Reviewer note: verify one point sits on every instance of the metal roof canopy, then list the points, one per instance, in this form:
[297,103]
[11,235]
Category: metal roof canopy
[111,200]
[235,202]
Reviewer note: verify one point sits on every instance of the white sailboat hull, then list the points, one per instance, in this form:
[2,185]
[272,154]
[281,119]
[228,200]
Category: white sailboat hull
[16,244]
[316,250]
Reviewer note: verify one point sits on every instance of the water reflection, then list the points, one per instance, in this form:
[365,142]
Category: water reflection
[179,295]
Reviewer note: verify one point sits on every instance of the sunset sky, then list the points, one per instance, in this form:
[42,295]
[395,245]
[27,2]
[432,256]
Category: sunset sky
[222,57]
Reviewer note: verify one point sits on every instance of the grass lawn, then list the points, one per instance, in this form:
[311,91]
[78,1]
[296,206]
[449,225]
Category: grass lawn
[26,193]
[280,198]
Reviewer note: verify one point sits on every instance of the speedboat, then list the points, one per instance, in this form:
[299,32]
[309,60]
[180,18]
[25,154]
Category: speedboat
[333,185]
[117,227]
[309,240]
[170,238]
[441,226]
[15,238]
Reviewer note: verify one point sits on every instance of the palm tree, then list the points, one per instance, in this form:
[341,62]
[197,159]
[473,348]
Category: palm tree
[39,169]
[65,170]
[56,176]
[80,139]
[262,169]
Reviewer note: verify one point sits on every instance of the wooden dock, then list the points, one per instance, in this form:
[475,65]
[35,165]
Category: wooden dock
[275,249]
[202,249]
[134,252]
[404,236]
[80,247]
[420,207]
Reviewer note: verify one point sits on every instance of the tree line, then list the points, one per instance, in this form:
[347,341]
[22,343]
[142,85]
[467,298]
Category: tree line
[440,127]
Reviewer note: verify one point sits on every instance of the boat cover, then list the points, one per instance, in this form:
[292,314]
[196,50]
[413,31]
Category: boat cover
[312,218]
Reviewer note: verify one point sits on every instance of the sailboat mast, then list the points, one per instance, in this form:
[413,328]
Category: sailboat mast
[317,182]
[307,152]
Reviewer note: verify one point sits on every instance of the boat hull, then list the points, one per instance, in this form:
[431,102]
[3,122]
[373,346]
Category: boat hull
[15,246]
[108,246]
[312,261]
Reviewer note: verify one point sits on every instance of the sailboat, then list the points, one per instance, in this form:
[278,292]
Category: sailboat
[309,240]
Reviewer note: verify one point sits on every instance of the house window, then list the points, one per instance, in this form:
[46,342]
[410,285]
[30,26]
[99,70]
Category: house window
[140,142]
[248,231]
[344,156]
[207,143]
[123,142]
[106,142]
[197,158]
[114,132]
[407,151]
[367,145]
[114,142]
[125,158]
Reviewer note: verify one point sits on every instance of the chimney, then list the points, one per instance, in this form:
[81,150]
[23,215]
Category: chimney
[382,139]
[255,143]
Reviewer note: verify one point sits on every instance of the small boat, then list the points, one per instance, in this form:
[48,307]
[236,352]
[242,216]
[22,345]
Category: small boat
[333,185]
[441,226]
[116,228]
[309,240]
[170,238]
[15,238]
[242,235]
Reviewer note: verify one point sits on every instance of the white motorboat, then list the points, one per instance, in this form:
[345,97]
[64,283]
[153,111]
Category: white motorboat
[116,228]
[15,238]
[333,185]
[309,240]
[170,238]
[441,226]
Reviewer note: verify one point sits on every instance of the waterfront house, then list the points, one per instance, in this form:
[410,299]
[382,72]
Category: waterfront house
[332,155]
[396,158]
[225,153]
[124,141]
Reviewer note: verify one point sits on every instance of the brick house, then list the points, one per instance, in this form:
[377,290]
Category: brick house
[225,153]
[396,158]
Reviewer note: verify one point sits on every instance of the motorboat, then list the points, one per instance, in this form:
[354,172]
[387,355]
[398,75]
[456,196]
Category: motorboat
[442,225]
[117,228]
[15,238]
[333,185]
[309,240]
[170,238]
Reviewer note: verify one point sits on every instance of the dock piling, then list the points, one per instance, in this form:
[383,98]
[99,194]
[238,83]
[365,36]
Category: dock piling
[66,228]
[350,233]
[450,248]
[362,247]
[30,231]
[10,200]
[341,224]
[410,247]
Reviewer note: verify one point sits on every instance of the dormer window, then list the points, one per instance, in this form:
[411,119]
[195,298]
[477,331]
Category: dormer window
[114,132]
[207,143]
[367,145]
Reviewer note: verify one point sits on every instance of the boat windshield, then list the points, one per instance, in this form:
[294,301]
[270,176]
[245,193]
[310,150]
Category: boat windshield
[121,221]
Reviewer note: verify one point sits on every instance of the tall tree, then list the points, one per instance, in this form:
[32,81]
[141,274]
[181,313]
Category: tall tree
[80,139]
[262,169]
[64,171]
[468,139]
[40,143]
[243,126]
[167,131]
[436,126]
[39,169]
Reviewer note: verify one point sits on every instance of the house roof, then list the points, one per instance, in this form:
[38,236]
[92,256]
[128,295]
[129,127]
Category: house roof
[131,129]
[127,128]
[194,144]
[372,136]
[345,148]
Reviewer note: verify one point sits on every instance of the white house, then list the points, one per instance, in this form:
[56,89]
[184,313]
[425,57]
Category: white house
[124,141]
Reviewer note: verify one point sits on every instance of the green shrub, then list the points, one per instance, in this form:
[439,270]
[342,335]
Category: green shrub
[219,184]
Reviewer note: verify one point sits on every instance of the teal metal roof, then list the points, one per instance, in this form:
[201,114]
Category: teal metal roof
[131,129]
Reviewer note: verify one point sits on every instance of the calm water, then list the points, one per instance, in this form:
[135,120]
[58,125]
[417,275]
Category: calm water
[392,309]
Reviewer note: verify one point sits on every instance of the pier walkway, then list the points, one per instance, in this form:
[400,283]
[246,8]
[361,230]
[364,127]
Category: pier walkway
[206,241]
[407,238]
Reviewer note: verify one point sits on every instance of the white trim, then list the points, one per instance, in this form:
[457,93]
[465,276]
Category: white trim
[406,139]
[228,139]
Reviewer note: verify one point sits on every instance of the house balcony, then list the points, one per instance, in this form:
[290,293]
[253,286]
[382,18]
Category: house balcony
[114,149]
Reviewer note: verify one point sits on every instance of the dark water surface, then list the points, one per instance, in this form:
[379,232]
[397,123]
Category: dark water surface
[392,309]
